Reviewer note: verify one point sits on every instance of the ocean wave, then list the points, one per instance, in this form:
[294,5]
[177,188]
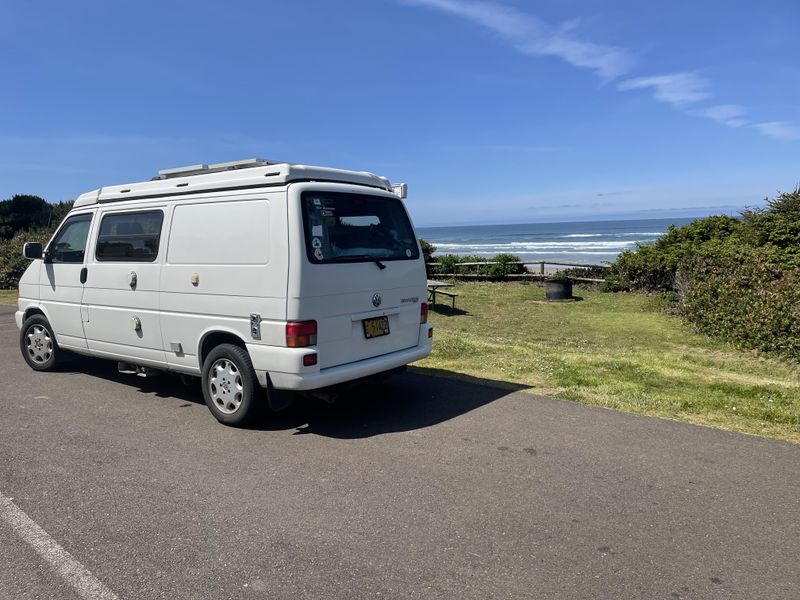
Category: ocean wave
[616,235]
[550,253]
[520,246]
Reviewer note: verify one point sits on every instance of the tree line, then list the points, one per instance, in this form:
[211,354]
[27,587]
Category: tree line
[25,218]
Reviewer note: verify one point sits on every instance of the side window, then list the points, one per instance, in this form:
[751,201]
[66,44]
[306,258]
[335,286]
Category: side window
[129,237]
[69,245]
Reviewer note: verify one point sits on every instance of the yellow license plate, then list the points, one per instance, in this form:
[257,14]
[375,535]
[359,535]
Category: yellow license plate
[376,327]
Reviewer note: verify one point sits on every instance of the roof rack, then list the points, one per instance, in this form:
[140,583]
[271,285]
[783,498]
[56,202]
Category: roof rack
[241,174]
[203,169]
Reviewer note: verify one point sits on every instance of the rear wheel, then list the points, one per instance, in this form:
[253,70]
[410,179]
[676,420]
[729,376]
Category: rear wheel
[38,344]
[230,384]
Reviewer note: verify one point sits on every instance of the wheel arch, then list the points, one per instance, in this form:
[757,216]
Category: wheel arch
[214,337]
[36,309]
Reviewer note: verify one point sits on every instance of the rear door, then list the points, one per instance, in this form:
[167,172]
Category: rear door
[356,269]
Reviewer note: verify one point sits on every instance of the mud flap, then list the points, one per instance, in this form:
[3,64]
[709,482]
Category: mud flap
[279,399]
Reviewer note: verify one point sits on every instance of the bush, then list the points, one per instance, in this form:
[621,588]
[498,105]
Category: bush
[753,301]
[12,263]
[507,264]
[428,250]
[738,279]
[447,263]
[652,267]
[459,264]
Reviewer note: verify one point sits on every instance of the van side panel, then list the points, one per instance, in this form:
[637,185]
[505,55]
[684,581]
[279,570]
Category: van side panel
[227,258]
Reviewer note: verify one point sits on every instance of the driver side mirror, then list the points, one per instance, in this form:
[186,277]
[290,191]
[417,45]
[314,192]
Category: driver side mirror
[32,250]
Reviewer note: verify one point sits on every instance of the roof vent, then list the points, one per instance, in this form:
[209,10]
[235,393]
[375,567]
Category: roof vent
[203,169]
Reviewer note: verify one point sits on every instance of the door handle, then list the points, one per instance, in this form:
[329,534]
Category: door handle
[84,274]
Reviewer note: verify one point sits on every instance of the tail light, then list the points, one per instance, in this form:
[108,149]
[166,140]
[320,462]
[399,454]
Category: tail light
[309,360]
[423,313]
[301,333]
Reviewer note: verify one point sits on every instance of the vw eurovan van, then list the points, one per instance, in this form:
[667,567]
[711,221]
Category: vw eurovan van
[251,274]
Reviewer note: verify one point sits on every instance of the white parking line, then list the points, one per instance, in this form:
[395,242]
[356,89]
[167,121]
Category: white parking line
[83,582]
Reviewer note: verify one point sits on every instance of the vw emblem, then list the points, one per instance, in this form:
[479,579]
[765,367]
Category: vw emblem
[376,300]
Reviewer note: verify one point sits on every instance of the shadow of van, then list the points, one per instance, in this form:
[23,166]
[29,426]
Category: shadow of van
[416,399]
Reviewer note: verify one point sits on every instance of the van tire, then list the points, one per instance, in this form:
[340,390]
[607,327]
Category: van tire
[38,345]
[230,384]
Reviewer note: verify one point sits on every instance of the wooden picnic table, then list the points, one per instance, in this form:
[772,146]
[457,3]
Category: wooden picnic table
[434,288]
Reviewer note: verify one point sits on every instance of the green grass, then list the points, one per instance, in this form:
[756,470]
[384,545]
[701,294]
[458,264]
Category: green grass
[8,297]
[613,350]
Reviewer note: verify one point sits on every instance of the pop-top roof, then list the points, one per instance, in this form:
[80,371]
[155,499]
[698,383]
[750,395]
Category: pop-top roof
[249,173]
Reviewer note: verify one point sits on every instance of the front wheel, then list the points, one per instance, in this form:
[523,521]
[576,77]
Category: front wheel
[38,344]
[230,384]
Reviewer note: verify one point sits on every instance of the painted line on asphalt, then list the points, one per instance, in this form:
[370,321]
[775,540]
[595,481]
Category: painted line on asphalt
[82,581]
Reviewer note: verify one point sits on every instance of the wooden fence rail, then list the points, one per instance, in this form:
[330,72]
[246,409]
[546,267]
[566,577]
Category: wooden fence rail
[531,275]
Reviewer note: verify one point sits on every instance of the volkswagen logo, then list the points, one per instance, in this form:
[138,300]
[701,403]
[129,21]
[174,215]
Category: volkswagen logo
[376,300]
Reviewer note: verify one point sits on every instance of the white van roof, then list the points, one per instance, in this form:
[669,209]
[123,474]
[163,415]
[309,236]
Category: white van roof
[249,173]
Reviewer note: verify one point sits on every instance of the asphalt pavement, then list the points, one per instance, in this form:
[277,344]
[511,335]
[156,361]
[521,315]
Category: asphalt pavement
[422,487]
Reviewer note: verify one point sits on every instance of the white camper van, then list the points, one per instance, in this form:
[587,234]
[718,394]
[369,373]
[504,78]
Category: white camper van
[247,274]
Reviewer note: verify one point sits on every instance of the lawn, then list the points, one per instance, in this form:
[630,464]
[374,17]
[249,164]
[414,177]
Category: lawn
[8,297]
[613,350]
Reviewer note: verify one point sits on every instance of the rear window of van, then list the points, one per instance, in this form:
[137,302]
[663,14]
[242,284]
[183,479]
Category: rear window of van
[341,227]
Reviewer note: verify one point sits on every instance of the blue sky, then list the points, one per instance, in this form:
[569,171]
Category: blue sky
[491,112]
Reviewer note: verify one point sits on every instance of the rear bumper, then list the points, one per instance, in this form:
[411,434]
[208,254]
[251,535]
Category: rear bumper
[18,317]
[314,379]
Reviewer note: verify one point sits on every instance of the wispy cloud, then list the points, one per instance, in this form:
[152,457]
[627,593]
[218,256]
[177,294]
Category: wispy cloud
[731,115]
[677,89]
[531,35]
[780,130]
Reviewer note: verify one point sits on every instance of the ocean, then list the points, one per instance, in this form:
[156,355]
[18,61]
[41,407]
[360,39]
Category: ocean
[585,242]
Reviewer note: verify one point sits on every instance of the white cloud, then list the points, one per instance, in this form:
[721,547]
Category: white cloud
[677,89]
[731,115]
[531,35]
[780,130]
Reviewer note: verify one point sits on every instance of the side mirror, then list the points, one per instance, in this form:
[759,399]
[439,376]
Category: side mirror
[32,250]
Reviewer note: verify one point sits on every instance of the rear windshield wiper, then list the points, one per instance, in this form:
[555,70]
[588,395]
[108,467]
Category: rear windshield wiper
[381,266]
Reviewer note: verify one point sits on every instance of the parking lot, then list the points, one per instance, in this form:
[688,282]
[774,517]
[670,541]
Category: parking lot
[424,487]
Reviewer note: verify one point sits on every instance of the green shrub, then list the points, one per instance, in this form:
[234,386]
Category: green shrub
[459,264]
[652,267]
[753,301]
[447,263]
[12,263]
[428,250]
[614,284]
[738,279]
[507,264]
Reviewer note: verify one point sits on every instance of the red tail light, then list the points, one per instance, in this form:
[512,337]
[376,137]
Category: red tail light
[309,360]
[301,333]
[423,313]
